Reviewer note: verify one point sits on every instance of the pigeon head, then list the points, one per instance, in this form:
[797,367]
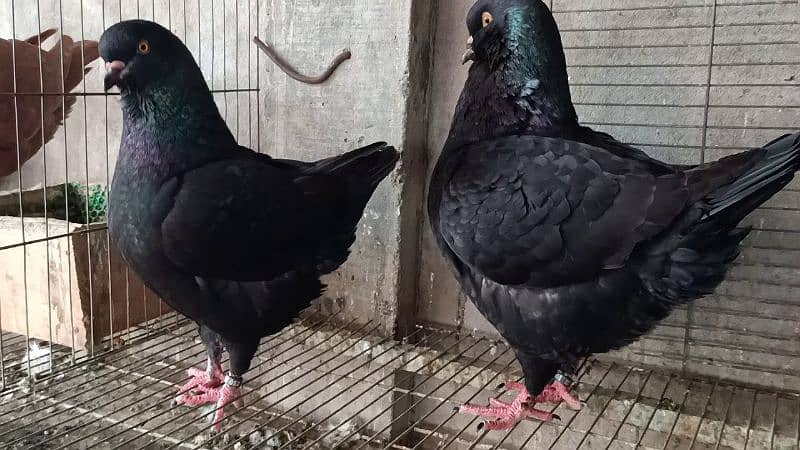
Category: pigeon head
[518,78]
[160,82]
[140,54]
[506,30]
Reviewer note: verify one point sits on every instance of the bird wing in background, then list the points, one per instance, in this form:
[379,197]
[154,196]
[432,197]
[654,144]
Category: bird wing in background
[243,219]
[539,212]
[38,118]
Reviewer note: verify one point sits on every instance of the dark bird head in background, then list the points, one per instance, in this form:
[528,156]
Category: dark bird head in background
[140,54]
[499,29]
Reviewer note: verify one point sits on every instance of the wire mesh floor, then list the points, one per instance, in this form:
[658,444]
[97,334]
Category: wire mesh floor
[321,384]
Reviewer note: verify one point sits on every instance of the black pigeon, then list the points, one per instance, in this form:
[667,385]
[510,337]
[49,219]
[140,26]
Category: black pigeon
[233,239]
[568,241]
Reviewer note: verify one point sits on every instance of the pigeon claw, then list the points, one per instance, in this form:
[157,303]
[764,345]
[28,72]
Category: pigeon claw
[200,383]
[556,392]
[503,416]
[228,395]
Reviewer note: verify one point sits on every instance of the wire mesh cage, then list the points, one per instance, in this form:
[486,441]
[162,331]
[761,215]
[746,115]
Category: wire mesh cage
[90,358]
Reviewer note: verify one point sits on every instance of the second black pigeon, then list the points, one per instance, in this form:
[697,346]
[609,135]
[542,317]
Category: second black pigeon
[568,241]
[231,238]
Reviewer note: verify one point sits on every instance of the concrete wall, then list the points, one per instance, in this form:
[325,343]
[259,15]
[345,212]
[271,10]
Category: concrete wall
[644,71]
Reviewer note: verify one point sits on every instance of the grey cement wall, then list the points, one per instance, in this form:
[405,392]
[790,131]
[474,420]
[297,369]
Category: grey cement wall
[647,72]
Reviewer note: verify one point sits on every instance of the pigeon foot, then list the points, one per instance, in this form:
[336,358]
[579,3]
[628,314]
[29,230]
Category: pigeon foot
[200,382]
[557,392]
[505,415]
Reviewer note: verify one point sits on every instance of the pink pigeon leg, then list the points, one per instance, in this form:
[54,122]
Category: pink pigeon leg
[227,395]
[200,381]
[553,393]
[557,392]
[506,415]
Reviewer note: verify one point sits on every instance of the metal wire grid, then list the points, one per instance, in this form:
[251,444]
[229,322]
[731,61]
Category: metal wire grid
[328,383]
[686,82]
[234,92]
[680,34]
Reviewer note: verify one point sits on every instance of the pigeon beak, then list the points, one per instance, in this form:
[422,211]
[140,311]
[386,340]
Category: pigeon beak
[469,55]
[114,74]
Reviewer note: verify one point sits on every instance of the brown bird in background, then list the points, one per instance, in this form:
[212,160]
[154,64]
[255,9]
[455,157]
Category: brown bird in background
[38,117]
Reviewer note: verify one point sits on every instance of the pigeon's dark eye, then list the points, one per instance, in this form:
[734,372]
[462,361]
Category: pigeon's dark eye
[144,47]
[487,18]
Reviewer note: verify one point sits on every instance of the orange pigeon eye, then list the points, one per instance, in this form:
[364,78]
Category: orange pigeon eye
[144,47]
[487,18]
